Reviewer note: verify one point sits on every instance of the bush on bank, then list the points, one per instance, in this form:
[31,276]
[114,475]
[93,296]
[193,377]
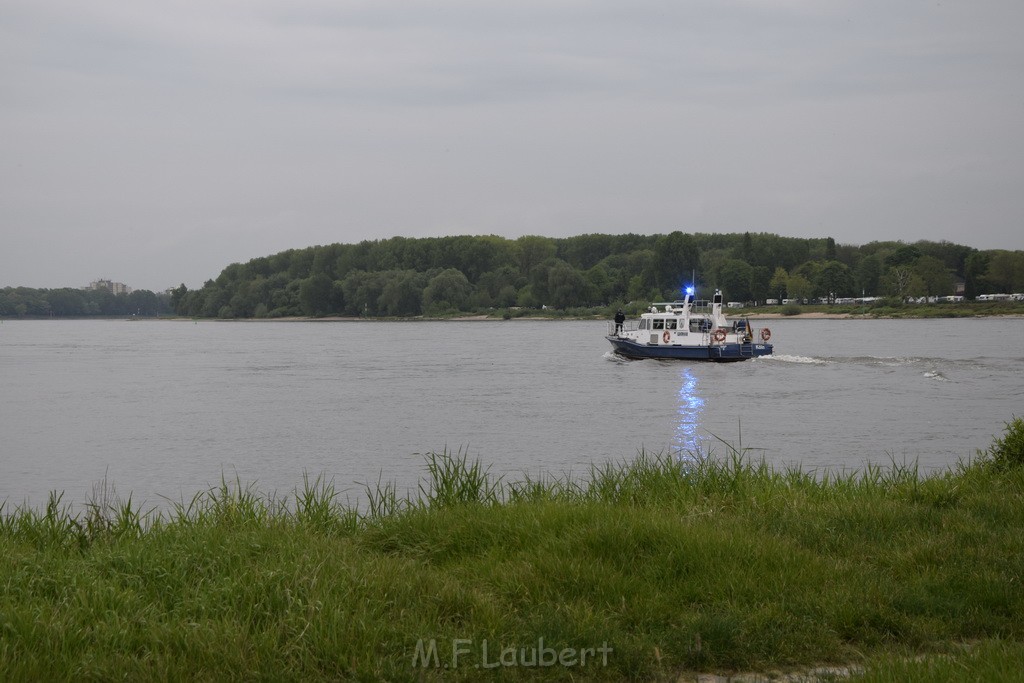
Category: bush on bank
[706,565]
[1007,452]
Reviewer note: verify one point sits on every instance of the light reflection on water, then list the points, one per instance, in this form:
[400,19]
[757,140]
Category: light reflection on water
[687,442]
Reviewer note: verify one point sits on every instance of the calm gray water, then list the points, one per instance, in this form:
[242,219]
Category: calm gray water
[165,409]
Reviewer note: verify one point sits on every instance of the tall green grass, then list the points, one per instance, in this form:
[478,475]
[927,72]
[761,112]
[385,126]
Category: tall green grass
[719,564]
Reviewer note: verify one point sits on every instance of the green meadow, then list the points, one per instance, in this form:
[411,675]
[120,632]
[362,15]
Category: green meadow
[645,569]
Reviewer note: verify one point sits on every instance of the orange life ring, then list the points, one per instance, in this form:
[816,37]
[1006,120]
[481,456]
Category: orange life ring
[766,334]
[719,335]
[665,336]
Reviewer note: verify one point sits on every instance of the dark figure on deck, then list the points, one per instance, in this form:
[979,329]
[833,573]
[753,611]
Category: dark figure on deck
[620,318]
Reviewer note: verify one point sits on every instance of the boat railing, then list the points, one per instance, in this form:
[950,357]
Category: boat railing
[702,306]
[679,303]
[627,326]
[698,306]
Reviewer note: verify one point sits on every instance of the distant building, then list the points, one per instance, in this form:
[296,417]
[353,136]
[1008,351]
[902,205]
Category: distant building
[112,287]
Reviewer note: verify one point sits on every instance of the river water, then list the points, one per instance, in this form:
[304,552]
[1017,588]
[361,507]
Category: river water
[163,409]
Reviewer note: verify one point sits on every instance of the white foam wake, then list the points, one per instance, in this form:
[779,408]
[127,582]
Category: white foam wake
[936,375]
[786,358]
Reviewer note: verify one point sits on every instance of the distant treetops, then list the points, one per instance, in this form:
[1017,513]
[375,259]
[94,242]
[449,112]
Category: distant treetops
[407,277]
[443,275]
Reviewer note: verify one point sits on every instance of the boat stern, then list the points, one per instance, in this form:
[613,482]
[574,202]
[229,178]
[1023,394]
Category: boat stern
[741,351]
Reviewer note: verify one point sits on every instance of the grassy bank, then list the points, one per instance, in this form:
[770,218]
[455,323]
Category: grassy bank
[643,570]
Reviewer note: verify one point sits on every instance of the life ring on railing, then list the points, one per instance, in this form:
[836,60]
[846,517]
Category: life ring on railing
[766,334]
[665,336]
[719,335]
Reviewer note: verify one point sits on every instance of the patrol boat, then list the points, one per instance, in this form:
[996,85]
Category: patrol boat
[689,330]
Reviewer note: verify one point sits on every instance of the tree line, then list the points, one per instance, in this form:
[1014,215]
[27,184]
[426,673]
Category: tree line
[441,275]
[21,302]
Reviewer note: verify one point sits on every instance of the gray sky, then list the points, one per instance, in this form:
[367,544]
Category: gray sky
[154,143]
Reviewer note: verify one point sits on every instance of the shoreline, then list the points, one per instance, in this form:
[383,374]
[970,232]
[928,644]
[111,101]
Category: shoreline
[658,565]
[810,315]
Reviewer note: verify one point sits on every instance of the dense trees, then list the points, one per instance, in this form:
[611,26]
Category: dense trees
[18,302]
[676,260]
[1005,271]
[833,280]
[736,279]
[449,290]
[408,277]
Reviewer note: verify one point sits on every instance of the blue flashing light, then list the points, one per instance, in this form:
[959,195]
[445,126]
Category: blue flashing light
[689,290]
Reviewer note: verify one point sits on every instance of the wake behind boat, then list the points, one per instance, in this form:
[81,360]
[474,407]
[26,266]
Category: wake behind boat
[689,330]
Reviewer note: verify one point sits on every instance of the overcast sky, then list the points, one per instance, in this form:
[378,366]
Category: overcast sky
[154,143]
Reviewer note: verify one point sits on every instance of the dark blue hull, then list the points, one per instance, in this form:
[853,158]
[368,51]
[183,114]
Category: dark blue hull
[721,353]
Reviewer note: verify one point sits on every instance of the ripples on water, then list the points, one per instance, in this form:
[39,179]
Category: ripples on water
[168,408]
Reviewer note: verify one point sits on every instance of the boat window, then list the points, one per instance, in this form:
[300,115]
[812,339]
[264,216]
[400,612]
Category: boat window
[670,324]
[642,325]
[658,324]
